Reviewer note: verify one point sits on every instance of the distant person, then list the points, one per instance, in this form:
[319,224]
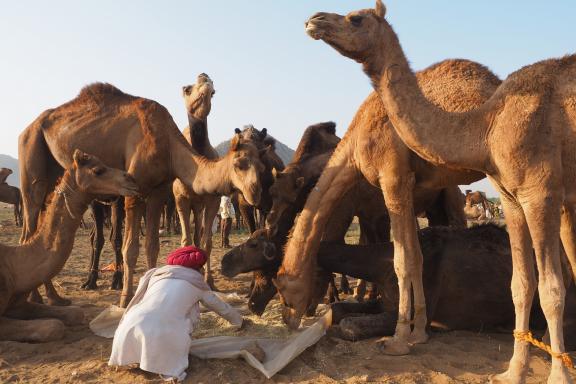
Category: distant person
[226,214]
[155,329]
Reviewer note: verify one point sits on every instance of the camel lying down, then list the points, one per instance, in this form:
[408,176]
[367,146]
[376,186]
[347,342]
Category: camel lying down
[25,267]
[467,274]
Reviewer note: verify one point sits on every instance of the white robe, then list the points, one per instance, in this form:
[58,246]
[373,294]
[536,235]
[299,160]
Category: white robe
[155,332]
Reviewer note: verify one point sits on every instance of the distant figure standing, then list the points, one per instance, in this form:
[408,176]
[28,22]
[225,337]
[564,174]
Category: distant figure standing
[226,214]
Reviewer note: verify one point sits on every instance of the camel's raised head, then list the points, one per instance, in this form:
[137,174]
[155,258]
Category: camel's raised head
[295,296]
[94,177]
[353,35]
[284,192]
[247,168]
[258,252]
[198,96]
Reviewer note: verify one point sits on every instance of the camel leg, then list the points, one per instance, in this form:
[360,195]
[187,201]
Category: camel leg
[408,260]
[210,210]
[154,204]
[568,234]
[97,243]
[116,241]
[183,208]
[130,248]
[198,211]
[543,218]
[24,310]
[360,290]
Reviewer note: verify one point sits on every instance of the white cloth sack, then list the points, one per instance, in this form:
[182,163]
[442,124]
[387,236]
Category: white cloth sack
[279,352]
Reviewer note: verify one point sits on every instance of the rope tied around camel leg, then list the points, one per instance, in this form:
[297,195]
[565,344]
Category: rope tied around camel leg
[527,337]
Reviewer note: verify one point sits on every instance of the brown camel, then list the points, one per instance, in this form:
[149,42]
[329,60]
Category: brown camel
[477,199]
[141,138]
[198,102]
[4,173]
[11,195]
[24,267]
[523,138]
[372,149]
[255,216]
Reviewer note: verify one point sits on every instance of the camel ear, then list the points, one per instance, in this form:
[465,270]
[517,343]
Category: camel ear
[235,142]
[263,133]
[300,182]
[80,158]
[186,90]
[380,9]
[237,130]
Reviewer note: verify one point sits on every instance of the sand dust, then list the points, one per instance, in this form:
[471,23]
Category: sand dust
[81,357]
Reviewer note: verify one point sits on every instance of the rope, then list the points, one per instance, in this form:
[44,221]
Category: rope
[527,337]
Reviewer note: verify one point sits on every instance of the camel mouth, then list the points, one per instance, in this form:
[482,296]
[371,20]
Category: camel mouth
[314,30]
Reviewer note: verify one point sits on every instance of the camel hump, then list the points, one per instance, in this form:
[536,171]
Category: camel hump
[459,68]
[100,89]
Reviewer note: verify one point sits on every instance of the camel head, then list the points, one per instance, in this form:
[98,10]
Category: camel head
[258,252]
[94,177]
[284,192]
[247,167]
[354,35]
[295,296]
[6,171]
[198,97]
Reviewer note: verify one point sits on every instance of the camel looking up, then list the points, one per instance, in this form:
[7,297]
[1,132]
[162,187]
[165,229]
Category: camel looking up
[141,138]
[24,267]
[523,138]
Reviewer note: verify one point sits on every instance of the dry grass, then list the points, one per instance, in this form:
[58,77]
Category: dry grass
[455,357]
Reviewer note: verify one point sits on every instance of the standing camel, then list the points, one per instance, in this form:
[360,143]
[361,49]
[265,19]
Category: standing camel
[11,195]
[198,102]
[523,138]
[24,267]
[372,149]
[142,139]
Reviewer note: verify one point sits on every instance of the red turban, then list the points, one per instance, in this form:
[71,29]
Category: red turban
[190,257]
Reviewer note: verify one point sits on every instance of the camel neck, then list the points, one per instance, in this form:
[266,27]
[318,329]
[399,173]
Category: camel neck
[199,135]
[202,175]
[455,140]
[47,251]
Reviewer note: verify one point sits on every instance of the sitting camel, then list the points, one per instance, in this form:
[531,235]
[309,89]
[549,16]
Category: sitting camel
[24,267]
[372,149]
[522,137]
[141,138]
[11,195]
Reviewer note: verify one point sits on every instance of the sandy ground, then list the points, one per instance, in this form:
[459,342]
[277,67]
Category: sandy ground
[81,357]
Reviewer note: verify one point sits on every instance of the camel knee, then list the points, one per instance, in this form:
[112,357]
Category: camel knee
[552,295]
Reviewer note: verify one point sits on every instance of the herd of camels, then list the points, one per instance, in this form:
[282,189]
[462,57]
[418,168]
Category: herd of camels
[411,143]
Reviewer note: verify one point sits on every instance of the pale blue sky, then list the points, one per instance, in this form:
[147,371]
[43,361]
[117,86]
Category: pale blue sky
[266,70]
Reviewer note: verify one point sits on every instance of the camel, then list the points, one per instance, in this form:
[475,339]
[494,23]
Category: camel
[255,216]
[4,173]
[522,138]
[142,139]
[478,199]
[198,102]
[24,267]
[11,195]
[372,149]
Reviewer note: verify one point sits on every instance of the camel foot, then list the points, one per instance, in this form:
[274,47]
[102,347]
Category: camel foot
[394,347]
[345,285]
[35,297]
[90,283]
[117,281]
[210,281]
[418,337]
[58,301]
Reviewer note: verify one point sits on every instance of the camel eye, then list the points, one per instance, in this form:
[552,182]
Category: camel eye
[356,20]
[98,171]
